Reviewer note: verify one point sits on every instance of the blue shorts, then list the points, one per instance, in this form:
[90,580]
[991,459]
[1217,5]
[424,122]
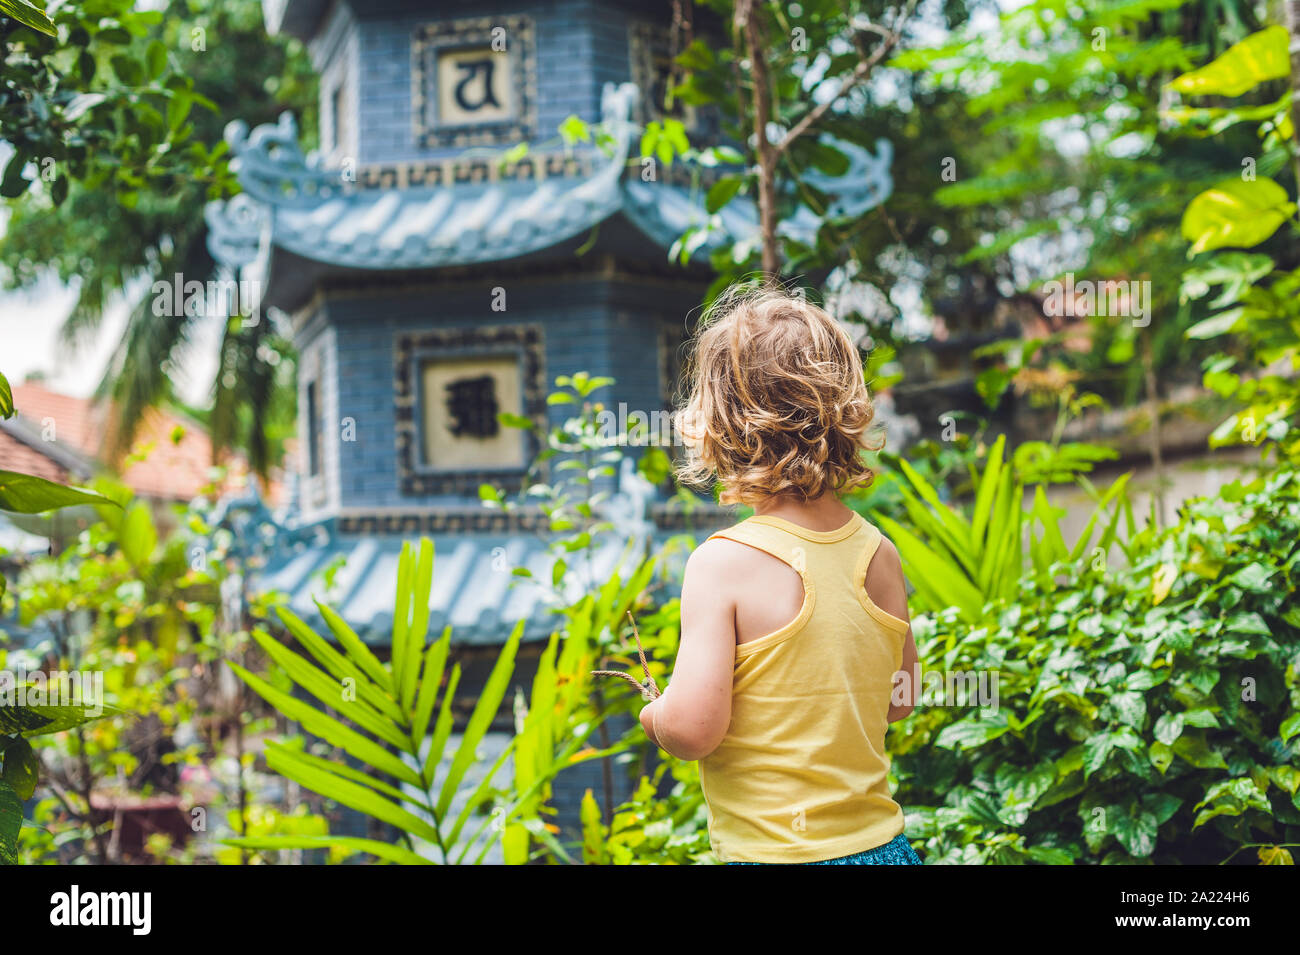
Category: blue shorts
[897,851]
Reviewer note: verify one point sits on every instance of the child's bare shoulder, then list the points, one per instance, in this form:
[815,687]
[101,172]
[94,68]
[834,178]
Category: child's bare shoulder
[720,561]
[717,557]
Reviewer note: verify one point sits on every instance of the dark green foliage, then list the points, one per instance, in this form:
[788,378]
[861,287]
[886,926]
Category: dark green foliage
[1147,713]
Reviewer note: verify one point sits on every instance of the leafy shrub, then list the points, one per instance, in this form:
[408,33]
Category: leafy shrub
[1147,714]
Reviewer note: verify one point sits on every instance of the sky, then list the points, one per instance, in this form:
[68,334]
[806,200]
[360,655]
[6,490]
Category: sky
[29,329]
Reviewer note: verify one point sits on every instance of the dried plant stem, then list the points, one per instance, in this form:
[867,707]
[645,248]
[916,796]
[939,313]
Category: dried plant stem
[649,688]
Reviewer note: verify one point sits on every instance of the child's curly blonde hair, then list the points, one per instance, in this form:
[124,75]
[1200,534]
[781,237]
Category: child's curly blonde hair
[778,401]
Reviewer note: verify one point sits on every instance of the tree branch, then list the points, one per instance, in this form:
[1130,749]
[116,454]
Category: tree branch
[856,78]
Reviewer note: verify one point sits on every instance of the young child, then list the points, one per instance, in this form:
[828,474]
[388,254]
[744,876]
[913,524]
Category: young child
[793,622]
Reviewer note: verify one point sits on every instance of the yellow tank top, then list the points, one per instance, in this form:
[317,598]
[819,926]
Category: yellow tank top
[801,775]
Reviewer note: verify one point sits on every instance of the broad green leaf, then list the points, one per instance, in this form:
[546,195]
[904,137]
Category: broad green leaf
[1224,323]
[1258,58]
[1137,833]
[33,720]
[1196,751]
[29,15]
[138,537]
[27,494]
[6,398]
[722,192]
[21,768]
[1290,727]
[11,820]
[1235,213]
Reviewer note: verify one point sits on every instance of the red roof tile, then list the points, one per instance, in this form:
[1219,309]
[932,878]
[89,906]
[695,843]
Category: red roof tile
[170,459]
[17,456]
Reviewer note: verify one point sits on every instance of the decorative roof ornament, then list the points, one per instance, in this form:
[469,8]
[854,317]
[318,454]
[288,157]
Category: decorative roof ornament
[239,230]
[271,166]
[292,202]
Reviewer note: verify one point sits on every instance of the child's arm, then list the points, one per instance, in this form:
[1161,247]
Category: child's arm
[691,717]
[887,588]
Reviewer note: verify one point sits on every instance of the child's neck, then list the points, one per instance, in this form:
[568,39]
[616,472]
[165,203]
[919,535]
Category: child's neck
[825,513]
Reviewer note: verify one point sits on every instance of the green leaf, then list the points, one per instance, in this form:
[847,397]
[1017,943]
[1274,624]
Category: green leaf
[11,820]
[294,754]
[1253,577]
[138,537]
[13,185]
[1258,58]
[6,398]
[33,720]
[350,794]
[22,768]
[1136,833]
[382,850]
[357,652]
[330,729]
[722,192]
[329,691]
[156,59]
[1169,727]
[435,662]
[1224,323]
[1290,727]
[1130,707]
[441,729]
[128,69]
[944,584]
[574,130]
[485,710]
[1197,751]
[1235,213]
[29,15]
[27,494]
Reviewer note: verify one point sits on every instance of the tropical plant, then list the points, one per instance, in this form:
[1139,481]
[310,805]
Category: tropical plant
[1258,298]
[953,560]
[19,722]
[121,115]
[650,829]
[551,728]
[138,600]
[1147,713]
[20,719]
[395,720]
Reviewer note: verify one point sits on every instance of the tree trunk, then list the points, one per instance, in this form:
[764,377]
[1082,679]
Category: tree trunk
[747,22]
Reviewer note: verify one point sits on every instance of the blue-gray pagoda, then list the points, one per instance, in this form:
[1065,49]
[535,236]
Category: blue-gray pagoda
[436,274]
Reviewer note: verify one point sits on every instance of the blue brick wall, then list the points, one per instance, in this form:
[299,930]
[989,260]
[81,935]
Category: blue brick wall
[588,323]
[579,45]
